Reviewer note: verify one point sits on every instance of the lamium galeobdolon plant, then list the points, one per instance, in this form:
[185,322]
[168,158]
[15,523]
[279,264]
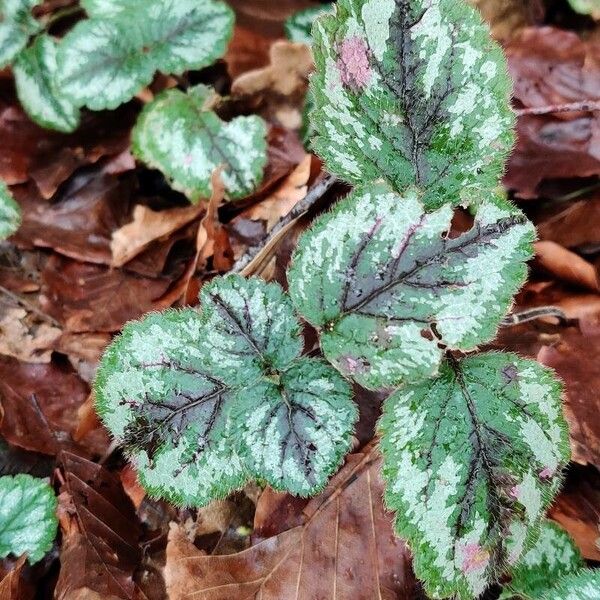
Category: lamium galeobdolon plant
[412,107]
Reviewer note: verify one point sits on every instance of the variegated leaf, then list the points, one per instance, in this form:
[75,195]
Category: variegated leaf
[28,520]
[35,72]
[10,213]
[112,8]
[104,62]
[252,328]
[179,134]
[294,429]
[298,27]
[553,556]
[414,91]
[156,394]
[386,285]
[17,25]
[472,460]
[584,585]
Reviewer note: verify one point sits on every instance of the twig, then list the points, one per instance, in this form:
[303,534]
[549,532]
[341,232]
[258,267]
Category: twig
[585,106]
[534,313]
[29,306]
[313,196]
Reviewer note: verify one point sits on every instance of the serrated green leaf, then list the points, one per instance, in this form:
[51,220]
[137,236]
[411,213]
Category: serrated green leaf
[35,72]
[10,213]
[553,556]
[28,521]
[104,62]
[472,460]
[252,328]
[179,134]
[584,585]
[295,431]
[17,25]
[155,392]
[298,27]
[384,283]
[414,91]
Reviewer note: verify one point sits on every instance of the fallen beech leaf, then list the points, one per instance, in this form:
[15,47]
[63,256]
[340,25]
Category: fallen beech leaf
[247,50]
[39,404]
[508,17]
[577,510]
[12,587]
[566,265]
[551,66]
[92,298]
[100,550]
[147,226]
[24,336]
[345,549]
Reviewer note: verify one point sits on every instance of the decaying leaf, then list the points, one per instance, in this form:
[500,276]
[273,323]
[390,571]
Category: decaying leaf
[385,284]
[344,549]
[472,460]
[12,586]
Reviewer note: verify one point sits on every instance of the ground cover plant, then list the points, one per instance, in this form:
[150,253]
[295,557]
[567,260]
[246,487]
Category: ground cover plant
[234,368]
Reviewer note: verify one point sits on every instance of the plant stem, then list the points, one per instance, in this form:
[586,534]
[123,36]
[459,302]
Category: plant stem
[585,106]
[532,314]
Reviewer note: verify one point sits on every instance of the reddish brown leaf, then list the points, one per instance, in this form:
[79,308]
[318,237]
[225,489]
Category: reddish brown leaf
[12,587]
[86,297]
[101,532]
[39,404]
[566,265]
[345,549]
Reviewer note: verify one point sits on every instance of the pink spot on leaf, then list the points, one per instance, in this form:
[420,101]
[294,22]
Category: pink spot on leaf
[353,63]
[475,558]
[547,473]
[188,160]
[514,492]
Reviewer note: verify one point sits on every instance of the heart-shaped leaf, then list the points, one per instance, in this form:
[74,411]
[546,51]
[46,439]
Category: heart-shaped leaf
[553,556]
[105,61]
[414,91]
[385,283]
[196,397]
[27,519]
[35,72]
[294,431]
[298,27]
[10,213]
[179,134]
[472,460]
[17,25]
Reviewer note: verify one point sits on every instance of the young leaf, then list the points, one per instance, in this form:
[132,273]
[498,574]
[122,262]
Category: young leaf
[294,432]
[17,25]
[298,27]
[553,556]
[472,460]
[10,213]
[104,62]
[584,585]
[251,326]
[414,91]
[35,72]
[179,134]
[384,283]
[27,519]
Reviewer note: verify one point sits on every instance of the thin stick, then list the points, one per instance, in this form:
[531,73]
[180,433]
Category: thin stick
[29,306]
[533,314]
[585,106]
[313,196]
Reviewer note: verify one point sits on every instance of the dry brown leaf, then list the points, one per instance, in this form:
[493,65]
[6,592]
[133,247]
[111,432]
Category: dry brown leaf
[508,17]
[566,265]
[345,550]
[12,586]
[148,225]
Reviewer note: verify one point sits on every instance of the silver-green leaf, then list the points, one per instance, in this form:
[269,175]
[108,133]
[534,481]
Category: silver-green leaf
[472,460]
[10,213]
[294,430]
[584,585]
[179,134]
[157,396]
[385,284]
[553,556]
[415,91]
[112,8]
[104,61]
[17,25]
[28,520]
[298,27]
[35,77]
